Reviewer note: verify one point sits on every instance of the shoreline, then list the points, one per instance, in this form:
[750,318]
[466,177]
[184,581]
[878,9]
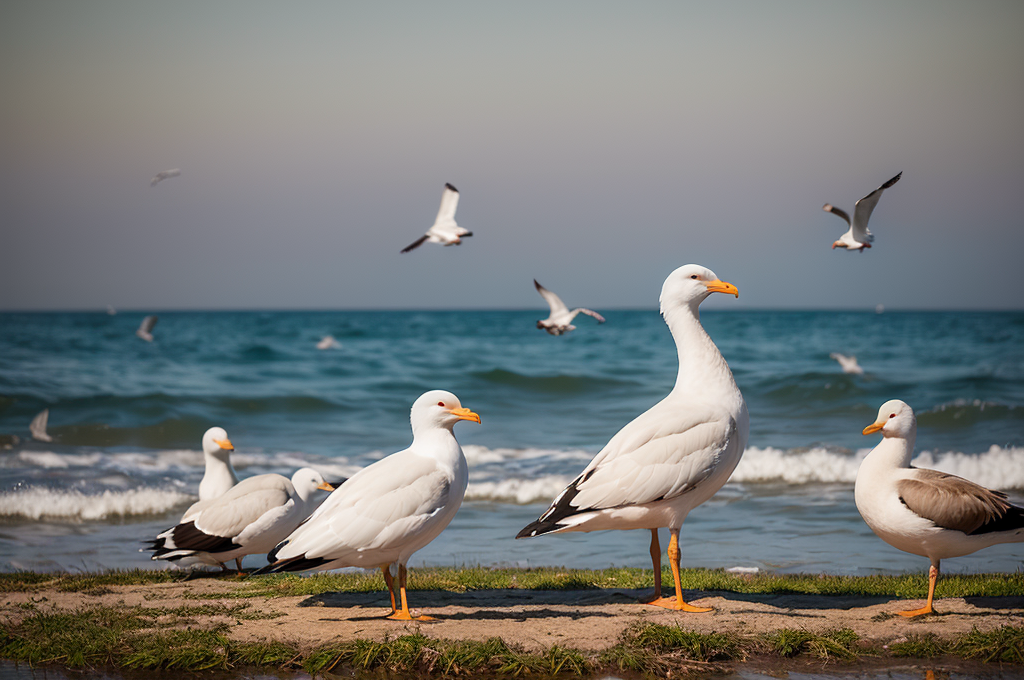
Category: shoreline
[578,621]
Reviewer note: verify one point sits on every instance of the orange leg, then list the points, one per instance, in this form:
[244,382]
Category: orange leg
[933,576]
[404,614]
[677,601]
[390,581]
[656,561]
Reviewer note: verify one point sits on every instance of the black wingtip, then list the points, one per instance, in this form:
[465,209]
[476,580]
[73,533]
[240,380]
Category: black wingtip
[300,563]
[893,180]
[449,186]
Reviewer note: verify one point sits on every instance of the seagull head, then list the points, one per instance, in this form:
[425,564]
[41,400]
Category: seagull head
[895,419]
[308,481]
[216,443]
[439,409]
[690,285]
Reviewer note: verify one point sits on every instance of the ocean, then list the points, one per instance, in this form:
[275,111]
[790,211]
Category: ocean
[127,417]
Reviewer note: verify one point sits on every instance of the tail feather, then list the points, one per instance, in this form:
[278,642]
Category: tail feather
[299,563]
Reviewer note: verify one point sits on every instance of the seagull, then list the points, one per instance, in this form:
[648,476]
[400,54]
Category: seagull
[848,363]
[560,319]
[328,342]
[38,426]
[387,511]
[164,174]
[217,479]
[927,512]
[444,230]
[146,328]
[675,456]
[858,236]
[250,518]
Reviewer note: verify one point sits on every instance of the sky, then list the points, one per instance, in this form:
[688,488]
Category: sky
[596,147]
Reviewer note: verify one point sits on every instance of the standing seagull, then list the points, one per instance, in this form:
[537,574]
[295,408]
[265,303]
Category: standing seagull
[858,236]
[164,174]
[389,510]
[926,512]
[560,319]
[146,328]
[38,426]
[218,478]
[444,230]
[251,518]
[675,456]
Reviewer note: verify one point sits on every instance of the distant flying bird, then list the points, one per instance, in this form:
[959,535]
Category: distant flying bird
[146,328]
[328,342]
[858,236]
[444,230]
[849,363]
[927,512]
[38,426]
[560,319]
[164,174]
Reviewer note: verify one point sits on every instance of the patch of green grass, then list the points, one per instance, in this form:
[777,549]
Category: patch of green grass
[926,646]
[480,578]
[1004,644]
[834,644]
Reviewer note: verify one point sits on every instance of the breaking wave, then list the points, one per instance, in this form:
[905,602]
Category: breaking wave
[36,502]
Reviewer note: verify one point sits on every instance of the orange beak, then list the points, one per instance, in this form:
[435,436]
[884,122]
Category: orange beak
[224,444]
[325,487]
[717,286]
[873,427]
[465,414]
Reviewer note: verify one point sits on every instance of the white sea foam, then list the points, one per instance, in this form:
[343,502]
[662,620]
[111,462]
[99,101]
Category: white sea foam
[37,502]
[520,491]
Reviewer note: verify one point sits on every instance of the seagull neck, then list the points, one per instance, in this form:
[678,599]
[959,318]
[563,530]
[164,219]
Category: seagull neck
[429,440]
[699,358]
[218,478]
[895,452]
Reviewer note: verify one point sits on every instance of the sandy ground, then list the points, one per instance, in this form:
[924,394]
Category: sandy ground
[537,619]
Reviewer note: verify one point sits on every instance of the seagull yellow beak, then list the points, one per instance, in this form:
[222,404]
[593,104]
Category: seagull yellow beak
[717,286]
[325,487]
[465,414]
[224,444]
[873,427]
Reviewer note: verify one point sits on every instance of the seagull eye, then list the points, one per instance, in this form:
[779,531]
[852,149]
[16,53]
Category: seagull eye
[693,276]
[440,403]
[892,415]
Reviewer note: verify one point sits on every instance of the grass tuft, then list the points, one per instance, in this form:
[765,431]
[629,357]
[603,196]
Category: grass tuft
[1005,644]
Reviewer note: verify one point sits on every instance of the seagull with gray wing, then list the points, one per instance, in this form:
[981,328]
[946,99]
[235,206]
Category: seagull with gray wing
[858,236]
[444,230]
[38,426]
[145,330]
[164,174]
[560,319]
[927,512]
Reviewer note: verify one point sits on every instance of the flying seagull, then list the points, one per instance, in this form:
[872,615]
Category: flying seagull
[38,426]
[858,236]
[146,328]
[848,363]
[444,230]
[927,512]
[560,319]
[162,175]
[671,458]
[328,342]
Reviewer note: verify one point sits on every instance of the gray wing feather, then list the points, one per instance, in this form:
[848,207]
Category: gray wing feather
[950,501]
[862,211]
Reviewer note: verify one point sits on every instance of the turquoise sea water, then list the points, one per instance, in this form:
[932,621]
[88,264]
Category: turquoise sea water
[127,417]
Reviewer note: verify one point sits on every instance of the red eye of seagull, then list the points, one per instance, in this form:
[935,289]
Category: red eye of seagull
[440,403]
[892,415]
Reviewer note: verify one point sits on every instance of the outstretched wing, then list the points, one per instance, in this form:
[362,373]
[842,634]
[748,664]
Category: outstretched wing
[554,302]
[38,426]
[415,244]
[589,312]
[147,324]
[828,207]
[449,202]
[862,211]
